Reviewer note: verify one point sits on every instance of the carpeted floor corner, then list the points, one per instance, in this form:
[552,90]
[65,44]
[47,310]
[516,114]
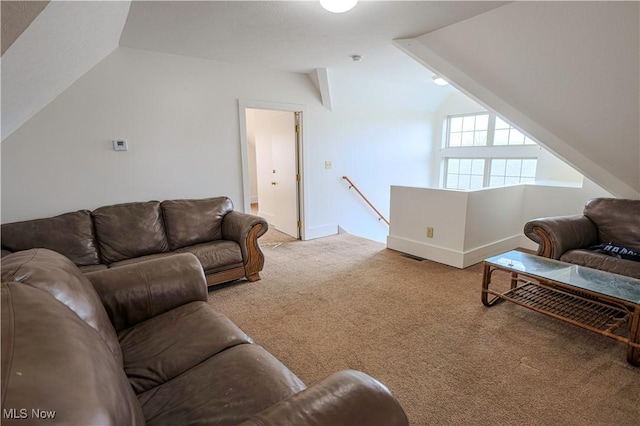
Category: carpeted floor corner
[419,327]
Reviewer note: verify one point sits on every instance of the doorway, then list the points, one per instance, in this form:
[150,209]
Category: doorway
[273,141]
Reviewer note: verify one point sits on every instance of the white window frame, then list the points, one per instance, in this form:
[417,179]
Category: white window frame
[491,129]
[528,150]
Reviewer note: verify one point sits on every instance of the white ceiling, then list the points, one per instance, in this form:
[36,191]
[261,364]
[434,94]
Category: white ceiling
[296,36]
[68,38]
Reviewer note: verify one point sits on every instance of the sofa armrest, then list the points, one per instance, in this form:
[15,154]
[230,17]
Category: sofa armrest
[556,235]
[245,229]
[137,292]
[345,398]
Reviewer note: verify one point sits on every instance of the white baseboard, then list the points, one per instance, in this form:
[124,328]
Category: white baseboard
[426,251]
[320,231]
[455,258]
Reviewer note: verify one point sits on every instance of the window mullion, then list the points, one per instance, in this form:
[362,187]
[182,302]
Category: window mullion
[487,171]
[492,129]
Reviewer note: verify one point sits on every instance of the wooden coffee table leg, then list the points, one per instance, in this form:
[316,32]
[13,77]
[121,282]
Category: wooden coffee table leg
[633,350]
[486,280]
[514,280]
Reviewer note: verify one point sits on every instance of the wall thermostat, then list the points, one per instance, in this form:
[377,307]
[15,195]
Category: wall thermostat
[120,145]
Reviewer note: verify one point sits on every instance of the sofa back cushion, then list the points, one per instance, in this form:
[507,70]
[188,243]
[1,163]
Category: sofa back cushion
[617,220]
[125,231]
[54,361]
[190,222]
[70,234]
[55,274]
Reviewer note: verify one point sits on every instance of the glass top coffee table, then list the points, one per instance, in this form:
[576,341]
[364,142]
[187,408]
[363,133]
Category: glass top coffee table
[599,301]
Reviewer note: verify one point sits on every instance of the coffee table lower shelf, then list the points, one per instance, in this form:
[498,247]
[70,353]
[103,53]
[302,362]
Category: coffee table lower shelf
[602,318]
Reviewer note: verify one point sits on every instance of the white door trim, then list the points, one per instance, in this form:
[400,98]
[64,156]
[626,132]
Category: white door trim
[243,104]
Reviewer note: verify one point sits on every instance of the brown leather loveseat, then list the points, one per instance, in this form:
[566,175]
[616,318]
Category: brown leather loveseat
[140,345]
[587,239]
[224,241]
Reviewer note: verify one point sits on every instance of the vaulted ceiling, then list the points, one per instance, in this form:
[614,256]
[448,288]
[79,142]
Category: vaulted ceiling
[67,38]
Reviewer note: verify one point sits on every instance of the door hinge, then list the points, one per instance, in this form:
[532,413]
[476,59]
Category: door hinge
[297,128]
[299,224]
[297,177]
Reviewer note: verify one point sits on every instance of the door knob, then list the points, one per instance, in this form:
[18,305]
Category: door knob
[274,183]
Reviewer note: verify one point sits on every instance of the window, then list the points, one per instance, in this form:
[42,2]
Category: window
[481,150]
[465,173]
[509,171]
[483,129]
[469,130]
[477,173]
[504,134]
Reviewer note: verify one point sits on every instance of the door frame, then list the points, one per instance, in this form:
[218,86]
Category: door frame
[243,104]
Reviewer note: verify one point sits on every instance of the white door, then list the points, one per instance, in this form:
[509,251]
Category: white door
[285,173]
[276,146]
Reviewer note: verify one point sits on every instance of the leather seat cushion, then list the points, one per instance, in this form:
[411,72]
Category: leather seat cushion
[163,347]
[216,255]
[226,389]
[140,259]
[53,360]
[92,268]
[129,230]
[190,222]
[70,234]
[603,262]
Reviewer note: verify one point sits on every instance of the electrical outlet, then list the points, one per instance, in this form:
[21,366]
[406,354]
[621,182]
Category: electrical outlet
[328,165]
[429,232]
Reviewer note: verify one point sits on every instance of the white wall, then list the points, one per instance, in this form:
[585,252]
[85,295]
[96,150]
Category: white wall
[470,226]
[180,116]
[41,63]
[568,73]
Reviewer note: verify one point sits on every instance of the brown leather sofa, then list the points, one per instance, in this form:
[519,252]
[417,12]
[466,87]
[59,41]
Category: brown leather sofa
[224,241]
[140,345]
[573,239]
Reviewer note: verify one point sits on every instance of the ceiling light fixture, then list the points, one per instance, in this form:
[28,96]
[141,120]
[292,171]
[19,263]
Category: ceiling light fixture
[439,80]
[338,6]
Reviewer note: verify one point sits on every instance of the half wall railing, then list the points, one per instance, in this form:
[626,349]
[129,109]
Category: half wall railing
[353,185]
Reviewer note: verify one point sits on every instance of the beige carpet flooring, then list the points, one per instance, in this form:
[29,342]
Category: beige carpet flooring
[419,327]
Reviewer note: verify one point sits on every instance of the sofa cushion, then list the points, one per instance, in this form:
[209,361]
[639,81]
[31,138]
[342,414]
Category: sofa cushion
[190,222]
[216,255]
[129,230]
[52,360]
[618,221]
[70,234]
[226,389]
[55,274]
[140,259]
[602,261]
[163,347]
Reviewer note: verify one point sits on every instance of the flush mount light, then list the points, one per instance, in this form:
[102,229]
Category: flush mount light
[439,80]
[338,6]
